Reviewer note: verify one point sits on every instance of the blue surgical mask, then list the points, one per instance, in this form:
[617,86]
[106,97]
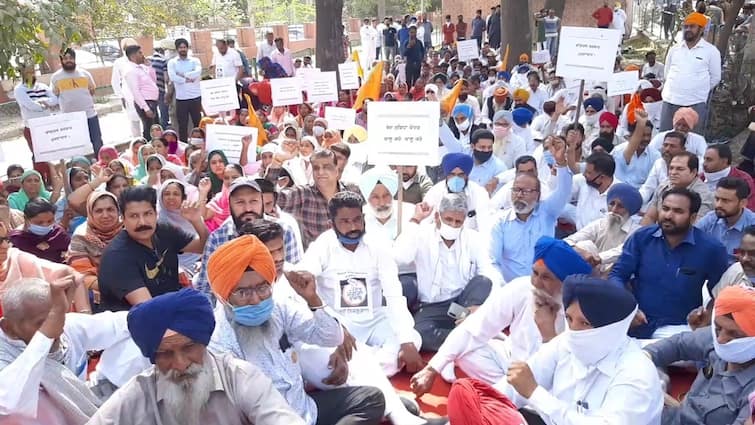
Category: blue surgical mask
[347,240]
[40,230]
[254,315]
[456,184]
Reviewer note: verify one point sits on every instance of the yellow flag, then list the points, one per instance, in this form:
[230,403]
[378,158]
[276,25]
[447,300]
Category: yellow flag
[449,100]
[355,58]
[505,61]
[371,88]
[255,122]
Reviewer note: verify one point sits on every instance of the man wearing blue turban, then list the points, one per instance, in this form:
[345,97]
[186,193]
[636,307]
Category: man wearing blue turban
[188,384]
[530,306]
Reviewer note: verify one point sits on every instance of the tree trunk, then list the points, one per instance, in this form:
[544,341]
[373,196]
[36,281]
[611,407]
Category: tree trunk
[557,5]
[329,38]
[380,10]
[514,32]
[723,39]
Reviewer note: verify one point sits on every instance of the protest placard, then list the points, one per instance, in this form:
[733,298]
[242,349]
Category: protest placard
[322,87]
[340,118]
[623,83]
[541,57]
[219,95]
[348,75]
[286,91]
[60,136]
[403,133]
[587,53]
[467,50]
[227,138]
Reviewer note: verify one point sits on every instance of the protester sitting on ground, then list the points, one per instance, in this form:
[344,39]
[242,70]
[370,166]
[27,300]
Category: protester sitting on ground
[249,323]
[507,145]
[673,144]
[66,215]
[131,155]
[218,208]
[40,235]
[634,160]
[161,148]
[44,352]
[33,187]
[12,218]
[379,186]
[727,349]
[193,385]
[140,170]
[731,216]
[172,198]
[529,306]
[685,119]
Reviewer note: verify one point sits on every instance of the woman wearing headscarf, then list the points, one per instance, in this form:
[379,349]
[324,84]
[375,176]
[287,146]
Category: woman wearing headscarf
[305,110]
[171,195]
[155,131]
[507,146]
[66,215]
[132,154]
[32,187]
[174,145]
[307,147]
[153,165]
[120,166]
[161,148]
[106,155]
[141,164]
[89,241]
[40,235]
[81,162]
[219,208]
[279,115]
[330,137]
[216,163]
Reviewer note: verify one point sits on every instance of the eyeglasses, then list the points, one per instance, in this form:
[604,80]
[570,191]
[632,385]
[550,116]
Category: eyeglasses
[262,291]
[520,191]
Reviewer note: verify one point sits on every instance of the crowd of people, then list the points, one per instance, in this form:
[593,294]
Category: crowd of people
[570,250]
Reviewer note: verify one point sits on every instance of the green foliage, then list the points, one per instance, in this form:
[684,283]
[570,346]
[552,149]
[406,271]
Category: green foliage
[286,11]
[22,26]
[369,8]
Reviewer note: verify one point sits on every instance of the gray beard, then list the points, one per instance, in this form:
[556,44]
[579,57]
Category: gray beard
[615,221]
[183,400]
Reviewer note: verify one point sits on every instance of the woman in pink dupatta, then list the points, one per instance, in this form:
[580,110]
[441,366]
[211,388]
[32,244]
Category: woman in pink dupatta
[219,207]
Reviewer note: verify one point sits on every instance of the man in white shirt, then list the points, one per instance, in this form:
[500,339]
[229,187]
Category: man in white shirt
[120,67]
[226,62]
[601,241]
[538,94]
[454,271]
[267,47]
[282,56]
[693,69]
[472,101]
[530,306]
[379,186]
[368,37]
[43,353]
[652,67]
[590,188]
[34,99]
[357,276]
[674,143]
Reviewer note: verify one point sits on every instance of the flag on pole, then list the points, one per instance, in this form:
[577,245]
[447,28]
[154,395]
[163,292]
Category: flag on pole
[371,88]
[254,121]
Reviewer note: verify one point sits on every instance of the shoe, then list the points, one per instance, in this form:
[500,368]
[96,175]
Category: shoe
[436,421]
[410,405]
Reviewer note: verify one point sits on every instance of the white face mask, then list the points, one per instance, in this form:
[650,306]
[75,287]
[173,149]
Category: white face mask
[196,141]
[590,346]
[449,233]
[318,131]
[463,126]
[740,350]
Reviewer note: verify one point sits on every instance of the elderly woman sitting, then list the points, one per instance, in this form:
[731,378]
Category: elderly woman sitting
[33,187]
[40,235]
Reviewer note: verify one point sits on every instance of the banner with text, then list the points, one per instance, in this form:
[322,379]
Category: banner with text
[60,136]
[340,118]
[348,75]
[322,87]
[623,83]
[587,53]
[286,91]
[219,95]
[227,138]
[467,50]
[403,133]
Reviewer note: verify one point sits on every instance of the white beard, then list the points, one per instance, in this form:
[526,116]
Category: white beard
[522,207]
[383,215]
[615,221]
[185,398]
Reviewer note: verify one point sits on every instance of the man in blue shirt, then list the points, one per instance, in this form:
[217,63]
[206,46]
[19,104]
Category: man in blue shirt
[478,27]
[666,264]
[486,165]
[728,221]
[414,51]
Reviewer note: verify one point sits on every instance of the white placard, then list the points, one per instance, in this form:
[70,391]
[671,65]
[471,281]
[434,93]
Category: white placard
[623,83]
[403,133]
[322,87]
[219,95]
[340,118]
[303,75]
[227,138]
[541,57]
[349,75]
[60,136]
[587,53]
[467,50]
[286,91]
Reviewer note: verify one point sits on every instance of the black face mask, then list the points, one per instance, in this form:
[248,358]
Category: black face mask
[481,157]
[594,182]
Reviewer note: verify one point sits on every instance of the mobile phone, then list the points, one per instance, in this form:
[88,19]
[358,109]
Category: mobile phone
[458,312]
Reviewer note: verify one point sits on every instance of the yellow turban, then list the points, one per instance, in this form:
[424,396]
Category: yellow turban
[357,131]
[696,18]
[521,93]
[232,259]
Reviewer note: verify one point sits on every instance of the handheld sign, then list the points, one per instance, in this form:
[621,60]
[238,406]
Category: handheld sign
[348,76]
[587,53]
[623,83]
[403,133]
[467,50]
[60,136]
[219,95]
[286,91]
[227,138]
[322,87]
[340,118]
[541,57]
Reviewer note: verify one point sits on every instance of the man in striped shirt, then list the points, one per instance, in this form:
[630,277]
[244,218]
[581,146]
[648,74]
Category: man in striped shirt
[160,65]
[34,99]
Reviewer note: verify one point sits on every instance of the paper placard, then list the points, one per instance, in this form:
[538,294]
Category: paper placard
[219,95]
[587,53]
[541,57]
[304,75]
[227,138]
[348,75]
[467,50]
[286,91]
[403,133]
[322,87]
[623,83]
[340,118]
[60,136]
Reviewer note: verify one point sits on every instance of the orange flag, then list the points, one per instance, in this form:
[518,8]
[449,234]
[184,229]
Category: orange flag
[255,122]
[355,59]
[371,88]
[449,100]
[505,60]
[634,103]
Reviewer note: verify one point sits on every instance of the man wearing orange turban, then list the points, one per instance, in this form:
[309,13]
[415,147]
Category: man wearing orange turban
[692,71]
[253,327]
[719,393]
